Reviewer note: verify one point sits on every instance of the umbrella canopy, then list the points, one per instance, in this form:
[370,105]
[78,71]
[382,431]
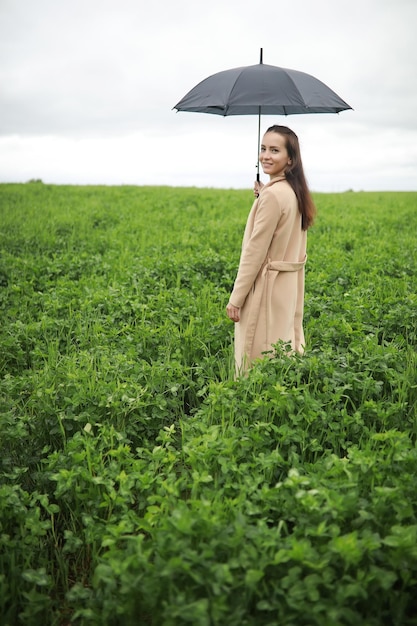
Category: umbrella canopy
[274,90]
[261,90]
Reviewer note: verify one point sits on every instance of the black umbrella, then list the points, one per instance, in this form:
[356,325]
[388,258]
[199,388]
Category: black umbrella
[261,90]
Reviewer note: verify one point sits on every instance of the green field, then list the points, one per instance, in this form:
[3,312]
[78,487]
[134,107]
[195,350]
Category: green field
[140,484]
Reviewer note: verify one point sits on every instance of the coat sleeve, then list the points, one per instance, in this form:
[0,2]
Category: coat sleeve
[256,247]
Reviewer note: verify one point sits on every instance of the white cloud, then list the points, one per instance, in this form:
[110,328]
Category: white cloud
[87,90]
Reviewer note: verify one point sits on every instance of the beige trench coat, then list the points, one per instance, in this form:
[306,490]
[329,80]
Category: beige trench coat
[269,287]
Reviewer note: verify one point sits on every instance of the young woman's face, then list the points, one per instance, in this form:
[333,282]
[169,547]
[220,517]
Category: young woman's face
[274,156]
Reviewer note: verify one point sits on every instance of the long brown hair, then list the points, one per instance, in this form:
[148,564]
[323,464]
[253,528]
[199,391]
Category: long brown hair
[295,175]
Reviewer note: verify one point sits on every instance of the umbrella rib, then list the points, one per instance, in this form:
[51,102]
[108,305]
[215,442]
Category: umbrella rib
[298,91]
[231,89]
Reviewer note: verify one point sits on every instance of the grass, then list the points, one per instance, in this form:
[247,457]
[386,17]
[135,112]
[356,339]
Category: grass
[140,483]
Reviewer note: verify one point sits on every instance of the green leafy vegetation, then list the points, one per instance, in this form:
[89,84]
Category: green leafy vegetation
[139,482]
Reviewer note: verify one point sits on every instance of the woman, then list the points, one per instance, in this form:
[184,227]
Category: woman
[267,300]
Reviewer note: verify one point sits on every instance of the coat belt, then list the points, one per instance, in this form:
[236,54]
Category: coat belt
[283,266]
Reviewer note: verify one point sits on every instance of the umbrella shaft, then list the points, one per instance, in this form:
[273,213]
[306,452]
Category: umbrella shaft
[259,139]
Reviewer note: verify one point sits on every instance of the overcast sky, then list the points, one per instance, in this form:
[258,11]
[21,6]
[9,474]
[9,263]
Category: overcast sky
[87,89]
